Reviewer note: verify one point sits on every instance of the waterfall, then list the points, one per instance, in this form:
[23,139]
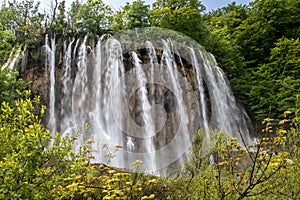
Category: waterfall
[199,79]
[147,120]
[66,82]
[50,61]
[13,59]
[80,88]
[149,100]
[227,115]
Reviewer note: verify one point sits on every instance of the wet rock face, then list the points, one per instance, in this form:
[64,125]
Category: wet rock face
[157,95]
[38,75]
[32,69]
[164,97]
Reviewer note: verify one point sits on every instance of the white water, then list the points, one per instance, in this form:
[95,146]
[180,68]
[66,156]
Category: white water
[66,82]
[113,96]
[171,67]
[147,120]
[227,115]
[13,60]
[50,62]
[150,109]
[200,84]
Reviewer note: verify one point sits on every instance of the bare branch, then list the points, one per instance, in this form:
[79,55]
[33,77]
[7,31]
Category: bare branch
[287,87]
[54,13]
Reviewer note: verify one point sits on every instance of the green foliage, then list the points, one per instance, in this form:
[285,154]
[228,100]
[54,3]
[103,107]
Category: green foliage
[36,165]
[243,38]
[72,17]
[268,21]
[278,80]
[264,170]
[23,18]
[177,4]
[285,182]
[203,147]
[199,176]
[134,15]
[30,169]
[92,17]
[182,16]
[256,45]
[251,45]
[9,83]
[60,23]
[7,42]
[223,25]
[98,181]
[259,34]
[123,185]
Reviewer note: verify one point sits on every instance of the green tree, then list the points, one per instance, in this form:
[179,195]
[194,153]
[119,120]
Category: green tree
[134,15]
[268,21]
[277,82]
[177,4]
[72,14]
[9,83]
[92,17]
[37,165]
[7,42]
[59,26]
[29,167]
[254,171]
[24,19]
[242,41]
[223,24]
[182,16]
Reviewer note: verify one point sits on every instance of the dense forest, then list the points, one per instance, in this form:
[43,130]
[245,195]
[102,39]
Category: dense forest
[257,46]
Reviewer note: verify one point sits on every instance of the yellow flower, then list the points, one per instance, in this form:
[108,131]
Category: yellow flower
[286,113]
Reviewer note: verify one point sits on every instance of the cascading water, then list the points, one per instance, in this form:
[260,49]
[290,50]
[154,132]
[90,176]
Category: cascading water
[202,101]
[80,88]
[227,115]
[50,61]
[66,92]
[147,120]
[150,100]
[12,60]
